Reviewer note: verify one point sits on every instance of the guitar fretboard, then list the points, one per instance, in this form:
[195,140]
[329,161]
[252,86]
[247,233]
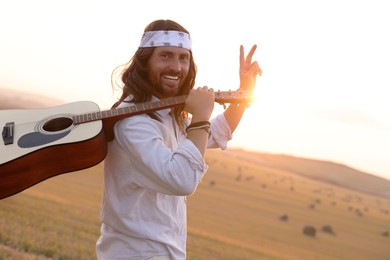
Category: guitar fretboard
[134,109]
[221,97]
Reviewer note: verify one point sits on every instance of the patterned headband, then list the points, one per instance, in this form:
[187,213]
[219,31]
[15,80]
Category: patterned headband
[166,38]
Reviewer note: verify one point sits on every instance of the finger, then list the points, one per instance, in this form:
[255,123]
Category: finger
[242,56]
[255,69]
[250,54]
[260,71]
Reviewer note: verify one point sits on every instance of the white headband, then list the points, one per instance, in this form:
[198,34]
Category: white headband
[166,38]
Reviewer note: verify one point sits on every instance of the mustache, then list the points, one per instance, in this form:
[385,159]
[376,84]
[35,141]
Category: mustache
[173,73]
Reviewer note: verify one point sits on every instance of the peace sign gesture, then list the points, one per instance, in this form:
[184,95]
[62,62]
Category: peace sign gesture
[248,69]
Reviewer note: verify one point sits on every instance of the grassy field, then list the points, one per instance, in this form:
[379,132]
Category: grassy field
[241,210]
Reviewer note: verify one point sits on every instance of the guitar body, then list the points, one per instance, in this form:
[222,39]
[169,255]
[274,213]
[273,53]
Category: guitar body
[39,144]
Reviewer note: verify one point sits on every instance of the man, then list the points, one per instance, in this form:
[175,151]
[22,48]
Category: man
[157,159]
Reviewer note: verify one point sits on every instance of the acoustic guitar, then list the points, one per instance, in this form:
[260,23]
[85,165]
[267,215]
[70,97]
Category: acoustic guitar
[42,143]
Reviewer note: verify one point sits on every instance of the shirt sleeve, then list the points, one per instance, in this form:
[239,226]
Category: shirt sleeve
[221,133]
[155,163]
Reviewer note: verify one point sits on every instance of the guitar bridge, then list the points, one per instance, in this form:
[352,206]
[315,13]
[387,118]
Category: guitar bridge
[8,133]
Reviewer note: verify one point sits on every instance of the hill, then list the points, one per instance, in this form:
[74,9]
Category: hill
[241,210]
[330,172]
[14,99]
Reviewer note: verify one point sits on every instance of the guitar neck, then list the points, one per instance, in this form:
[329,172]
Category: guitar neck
[111,116]
[123,112]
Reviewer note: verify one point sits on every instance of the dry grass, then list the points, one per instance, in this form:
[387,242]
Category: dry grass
[233,215]
[243,201]
[58,218]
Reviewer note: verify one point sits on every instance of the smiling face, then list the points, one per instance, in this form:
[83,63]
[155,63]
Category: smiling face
[168,68]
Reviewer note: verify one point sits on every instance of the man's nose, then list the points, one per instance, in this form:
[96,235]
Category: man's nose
[175,64]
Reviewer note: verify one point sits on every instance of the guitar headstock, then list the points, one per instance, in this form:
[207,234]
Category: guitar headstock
[234,97]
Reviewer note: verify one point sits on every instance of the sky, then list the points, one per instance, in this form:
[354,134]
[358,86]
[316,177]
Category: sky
[323,93]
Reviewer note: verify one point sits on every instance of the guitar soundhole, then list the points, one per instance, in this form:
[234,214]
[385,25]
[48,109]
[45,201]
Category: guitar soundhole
[57,124]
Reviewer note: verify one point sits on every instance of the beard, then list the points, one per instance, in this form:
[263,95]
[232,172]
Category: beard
[163,90]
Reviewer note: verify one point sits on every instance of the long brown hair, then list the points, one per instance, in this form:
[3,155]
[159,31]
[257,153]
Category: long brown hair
[135,76]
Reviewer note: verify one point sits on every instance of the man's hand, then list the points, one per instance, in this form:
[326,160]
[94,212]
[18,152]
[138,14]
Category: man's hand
[248,70]
[200,103]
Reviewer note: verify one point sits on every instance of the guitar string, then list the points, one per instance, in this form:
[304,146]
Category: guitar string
[57,124]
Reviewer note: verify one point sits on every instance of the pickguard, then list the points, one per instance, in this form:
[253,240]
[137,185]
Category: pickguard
[37,139]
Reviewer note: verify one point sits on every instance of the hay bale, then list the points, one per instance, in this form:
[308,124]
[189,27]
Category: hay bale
[283,217]
[328,229]
[309,231]
[358,213]
[249,178]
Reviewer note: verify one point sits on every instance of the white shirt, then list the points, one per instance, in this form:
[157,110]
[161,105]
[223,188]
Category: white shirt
[149,170]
